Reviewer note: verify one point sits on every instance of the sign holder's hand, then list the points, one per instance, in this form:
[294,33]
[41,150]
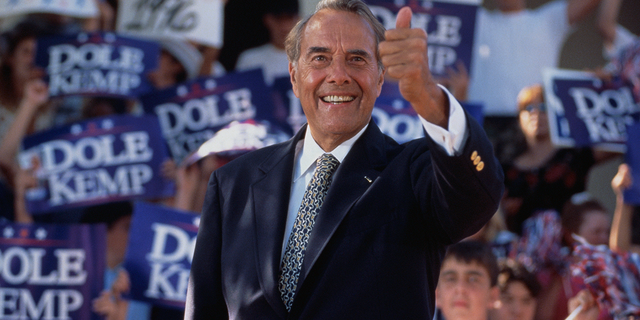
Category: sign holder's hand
[404,55]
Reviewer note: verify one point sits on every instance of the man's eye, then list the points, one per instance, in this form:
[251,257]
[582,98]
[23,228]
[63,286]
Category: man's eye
[319,58]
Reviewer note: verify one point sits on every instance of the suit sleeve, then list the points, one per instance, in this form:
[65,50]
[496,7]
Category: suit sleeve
[204,295]
[466,187]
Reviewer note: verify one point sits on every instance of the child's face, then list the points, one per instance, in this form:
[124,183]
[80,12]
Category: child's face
[516,303]
[464,290]
[595,227]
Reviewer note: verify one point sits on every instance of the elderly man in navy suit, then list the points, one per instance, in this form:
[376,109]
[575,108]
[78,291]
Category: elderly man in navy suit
[342,222]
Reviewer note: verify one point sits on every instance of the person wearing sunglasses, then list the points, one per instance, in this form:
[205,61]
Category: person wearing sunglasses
[541,175]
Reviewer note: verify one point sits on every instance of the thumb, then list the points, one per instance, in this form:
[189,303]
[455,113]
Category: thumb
[404,18]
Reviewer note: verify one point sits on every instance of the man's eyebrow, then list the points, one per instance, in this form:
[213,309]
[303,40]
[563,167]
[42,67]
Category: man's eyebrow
[359,52]
[317,50]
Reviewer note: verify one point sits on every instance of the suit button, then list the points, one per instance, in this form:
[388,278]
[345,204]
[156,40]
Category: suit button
[474,155]
[476,161]
[480,166]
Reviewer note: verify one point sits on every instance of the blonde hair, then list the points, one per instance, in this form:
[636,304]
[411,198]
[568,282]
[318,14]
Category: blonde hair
[529,94]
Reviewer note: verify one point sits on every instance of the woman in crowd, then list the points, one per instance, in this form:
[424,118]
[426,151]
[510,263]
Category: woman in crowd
[23,97]
[543,176]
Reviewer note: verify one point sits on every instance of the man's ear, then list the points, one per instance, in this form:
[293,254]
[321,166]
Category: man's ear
[292,77]
[438,299]
[381,80]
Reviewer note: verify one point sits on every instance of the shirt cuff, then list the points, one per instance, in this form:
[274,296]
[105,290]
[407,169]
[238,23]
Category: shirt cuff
[451,140]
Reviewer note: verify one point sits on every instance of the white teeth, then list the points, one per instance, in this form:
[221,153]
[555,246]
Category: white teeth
[337,99]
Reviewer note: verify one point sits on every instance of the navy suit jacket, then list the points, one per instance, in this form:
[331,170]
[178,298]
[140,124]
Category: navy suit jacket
[377,245]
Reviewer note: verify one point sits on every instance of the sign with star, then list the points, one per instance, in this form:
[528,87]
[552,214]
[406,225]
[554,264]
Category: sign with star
[114,158]
[192,112]
[51,271]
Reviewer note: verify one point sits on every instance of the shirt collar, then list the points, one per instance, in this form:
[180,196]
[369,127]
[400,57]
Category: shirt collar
[310,151]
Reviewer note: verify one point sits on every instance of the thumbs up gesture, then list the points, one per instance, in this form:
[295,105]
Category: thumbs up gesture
[404,55]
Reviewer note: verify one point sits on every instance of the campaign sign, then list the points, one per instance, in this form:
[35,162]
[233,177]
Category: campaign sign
[51,271]
[632,195]
[199,20]
[159,254]
[191,112]
[77,8]
[107,159]
[288,110]
[97,64]
[584,111]
[449,24]
[395,116]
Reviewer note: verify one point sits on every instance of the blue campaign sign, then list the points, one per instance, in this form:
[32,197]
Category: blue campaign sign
[97,64]
[395,116]
[632,195]
[106,159]
[288,111]
[51,271]
[191,112]
[585,111]
[159,254]
[450,26]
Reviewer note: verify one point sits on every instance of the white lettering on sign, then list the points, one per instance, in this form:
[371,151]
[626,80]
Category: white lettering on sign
[91,68]
[165,263]
[19,265]
[400,127]
[18,304]
[605,114]
[441,40]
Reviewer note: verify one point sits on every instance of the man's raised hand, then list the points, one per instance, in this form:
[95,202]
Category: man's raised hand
[404,55]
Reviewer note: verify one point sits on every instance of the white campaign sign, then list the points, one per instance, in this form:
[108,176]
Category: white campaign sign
[197,20]
[76,8]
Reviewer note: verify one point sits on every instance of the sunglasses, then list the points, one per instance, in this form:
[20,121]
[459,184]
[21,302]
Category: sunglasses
[536,106]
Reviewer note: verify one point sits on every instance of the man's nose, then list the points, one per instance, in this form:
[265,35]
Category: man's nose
[338,72]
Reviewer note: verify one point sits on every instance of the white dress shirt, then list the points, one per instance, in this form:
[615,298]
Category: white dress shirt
[308,151]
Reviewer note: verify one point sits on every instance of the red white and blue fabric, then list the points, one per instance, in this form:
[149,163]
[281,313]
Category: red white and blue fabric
[541,243]
[613,278]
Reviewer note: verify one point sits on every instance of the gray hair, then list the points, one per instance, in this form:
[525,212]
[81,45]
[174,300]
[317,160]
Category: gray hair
[292,44]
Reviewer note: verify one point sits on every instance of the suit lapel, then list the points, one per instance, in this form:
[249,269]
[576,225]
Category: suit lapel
[352,178]
[270,204]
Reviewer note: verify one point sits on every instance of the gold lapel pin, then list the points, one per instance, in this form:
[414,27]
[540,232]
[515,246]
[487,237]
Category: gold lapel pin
[368,179]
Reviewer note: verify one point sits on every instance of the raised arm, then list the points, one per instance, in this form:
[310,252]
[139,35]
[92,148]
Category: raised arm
[620,237]
[36,95]
[404,55]
[578,10]
[607,19]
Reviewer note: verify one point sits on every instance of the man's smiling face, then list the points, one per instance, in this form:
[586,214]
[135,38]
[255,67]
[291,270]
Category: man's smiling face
[337,78]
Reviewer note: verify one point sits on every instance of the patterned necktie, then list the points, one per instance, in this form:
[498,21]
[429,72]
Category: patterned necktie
[306,218]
